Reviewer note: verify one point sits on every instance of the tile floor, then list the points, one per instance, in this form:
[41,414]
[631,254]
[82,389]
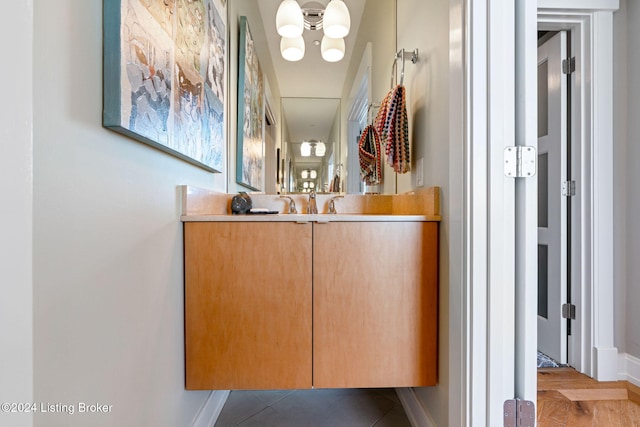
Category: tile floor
[314,408]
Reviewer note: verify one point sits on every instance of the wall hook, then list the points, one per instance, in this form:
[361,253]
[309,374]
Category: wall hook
[404,55]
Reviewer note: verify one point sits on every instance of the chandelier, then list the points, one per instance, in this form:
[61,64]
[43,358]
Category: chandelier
[318,147]
[292,20]
[309,173]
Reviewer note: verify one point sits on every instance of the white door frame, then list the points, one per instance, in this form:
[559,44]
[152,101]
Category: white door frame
[499,334]
[526,278]
[499,320]
[592,349]
[488,221]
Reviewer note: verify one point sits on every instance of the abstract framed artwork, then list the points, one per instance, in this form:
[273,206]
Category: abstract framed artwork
[251,100]
[165,76]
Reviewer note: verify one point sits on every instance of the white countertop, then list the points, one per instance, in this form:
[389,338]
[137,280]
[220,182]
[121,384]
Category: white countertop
[303,218]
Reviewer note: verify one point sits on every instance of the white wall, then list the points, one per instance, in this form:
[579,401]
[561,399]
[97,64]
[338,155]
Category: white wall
[108,268]
[16,186]
[425,25]
[627,176]
[628,160]
[620,187]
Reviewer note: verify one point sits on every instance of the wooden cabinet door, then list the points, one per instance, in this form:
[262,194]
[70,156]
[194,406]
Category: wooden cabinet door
[248,293]
[375,304]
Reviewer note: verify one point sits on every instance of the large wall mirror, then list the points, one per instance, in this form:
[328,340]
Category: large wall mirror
[315,110]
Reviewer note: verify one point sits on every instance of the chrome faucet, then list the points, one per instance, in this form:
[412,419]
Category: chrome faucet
[312,208]
[332,204]
[292,204]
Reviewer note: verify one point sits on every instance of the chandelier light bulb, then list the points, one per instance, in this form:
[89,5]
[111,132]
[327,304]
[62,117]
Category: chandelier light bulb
[304,174]
[289,19]
[320,149]
[336,20]
[314,174]
[292,49]
[332,50]
[305,149]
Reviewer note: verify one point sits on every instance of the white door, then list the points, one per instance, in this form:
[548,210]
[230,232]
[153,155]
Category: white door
[552,205]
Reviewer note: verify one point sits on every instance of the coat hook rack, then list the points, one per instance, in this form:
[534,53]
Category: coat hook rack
[404,55]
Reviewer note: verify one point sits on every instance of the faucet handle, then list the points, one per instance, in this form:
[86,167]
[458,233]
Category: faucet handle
[332,204]
[292,204]
[312,207]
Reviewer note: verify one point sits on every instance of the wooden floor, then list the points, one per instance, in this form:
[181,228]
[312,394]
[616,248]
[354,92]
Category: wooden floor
[568,398]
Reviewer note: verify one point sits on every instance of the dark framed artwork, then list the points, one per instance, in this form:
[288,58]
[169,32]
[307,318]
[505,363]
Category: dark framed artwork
[278,170]
[165,74]
[250,133]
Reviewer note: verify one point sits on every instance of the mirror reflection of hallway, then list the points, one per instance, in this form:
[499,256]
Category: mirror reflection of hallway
[311,134]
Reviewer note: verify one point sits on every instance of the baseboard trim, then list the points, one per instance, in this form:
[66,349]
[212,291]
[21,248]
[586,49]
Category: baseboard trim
[211,408]
[629,368]
[606,361]
[417,414]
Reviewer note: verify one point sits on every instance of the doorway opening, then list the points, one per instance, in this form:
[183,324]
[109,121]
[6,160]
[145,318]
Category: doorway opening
[590,346]
[556,189]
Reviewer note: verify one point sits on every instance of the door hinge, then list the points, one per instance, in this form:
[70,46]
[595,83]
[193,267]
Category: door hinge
[569,311]
[520,161]
[569,65]
[519,413]
[569,188]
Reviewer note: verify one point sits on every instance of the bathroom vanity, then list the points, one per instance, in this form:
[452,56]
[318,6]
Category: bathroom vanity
[300,301]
